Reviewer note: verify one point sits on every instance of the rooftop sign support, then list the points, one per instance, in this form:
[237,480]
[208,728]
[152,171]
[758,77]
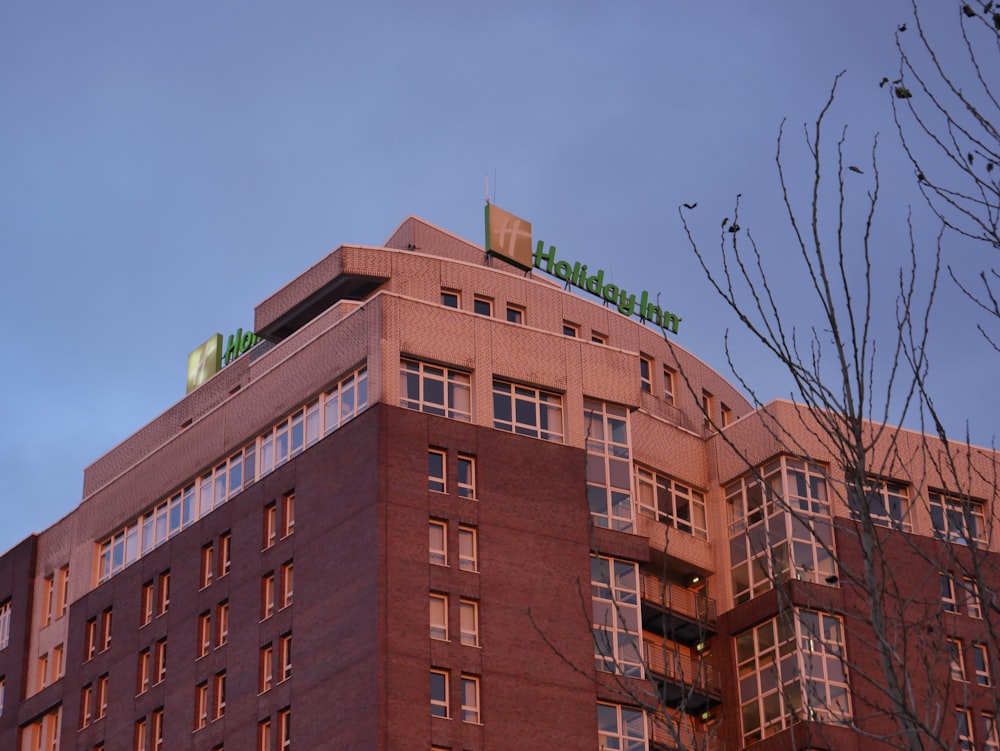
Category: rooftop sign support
[209,358]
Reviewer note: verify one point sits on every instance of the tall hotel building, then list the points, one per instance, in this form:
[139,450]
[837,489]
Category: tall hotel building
[451,503]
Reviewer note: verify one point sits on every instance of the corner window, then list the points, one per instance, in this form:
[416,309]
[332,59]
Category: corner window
[527,411]
[435,390]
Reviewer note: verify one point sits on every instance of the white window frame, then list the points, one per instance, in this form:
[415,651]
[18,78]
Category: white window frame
[512,404]
[951,518]
[465,484]
[471,705]
[438,555]
[438,616]
[617,619]
[468,548]
[455,389]
[469,622]
[981,664]
[621,727]
[439,703]
[437,470]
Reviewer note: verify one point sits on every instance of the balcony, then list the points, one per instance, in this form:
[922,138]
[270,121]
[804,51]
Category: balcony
[681,737]
[677,613]
[691,685]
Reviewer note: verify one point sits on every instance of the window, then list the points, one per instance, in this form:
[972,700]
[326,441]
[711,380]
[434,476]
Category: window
[466,486]
[201,705]
[515,314]
[90,640]
[948,601]
[438,545]
[270,525]
[708,406]
[972,602]
[963,729]
[956,659]
[225,553]
[571,329]
[439,616]
[991,742]
[207,565]
[668,384]
[267,596]
[981,659]
[439,693]
[646,374]
[620,727]
[609,466]
[164,592]
[146,604]
[221,623]
[204,633]
[468,557]
[956,519]
[727,414]
[285,729]
[811,684]
[105,635]
[671,502]
[266,671]
[48,599]
[41,671]
[101,697]
[157,729]
[160,661]
[58,662]
[450,298]
[527,411]
[288,515]
[43,733]
[598,338]
[470,698]
[284,657]
[86,705]
[482,306]
[219,695]
[140,735]
[887,503]
[614,586]
[436,470]
[287,585]
[264,734]
[468,614]
[62,591]
[4,624]
[143,672]
[435,390]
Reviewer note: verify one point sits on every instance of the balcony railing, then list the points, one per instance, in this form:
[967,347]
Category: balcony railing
[692,613]
[691,683]
[682,737]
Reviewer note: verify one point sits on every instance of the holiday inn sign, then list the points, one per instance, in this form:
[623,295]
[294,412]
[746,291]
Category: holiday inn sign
[509,238]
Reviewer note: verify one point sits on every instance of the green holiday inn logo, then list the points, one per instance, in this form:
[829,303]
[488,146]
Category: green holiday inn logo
[210,357]
[509,238]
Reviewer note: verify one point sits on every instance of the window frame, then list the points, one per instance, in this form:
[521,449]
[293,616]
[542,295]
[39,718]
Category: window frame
[482,306]
[437,470]
[467,561]
[468,620]
[471,699]
[646,374]
[952,516]
[546,407]
[438,556]
[438,616]
[439,693]
[449,296]
[515,314]
[452,382]
[465,483]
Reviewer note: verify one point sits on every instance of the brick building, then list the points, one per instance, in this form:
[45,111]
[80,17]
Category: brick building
[483,511]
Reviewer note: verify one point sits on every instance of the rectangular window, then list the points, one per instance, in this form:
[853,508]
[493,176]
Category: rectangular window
[708,406]
[270,525]
[468,612]
[963,730]
[41,671]
[958,520]
[991,741]
[527,411]
[439,693]
[160,661]
[266,671]
[439,616]
[221,623]
[267,596]
[219,695]
[671,502]
[204,633]
[288,515]
[438,544]
[468,553]
[225,553]
[164,593]
[981,658]
[58,663]
[146,604]
[436,473]
[86,705]
[287,585]
[727,415]
[949,603]
[207,565]
[4,624]
[105,635]
[284,729]
[620,727]
[470,698]
[436,390]
[62,591]
[284,657]
[264,735]
[140,740]
[614,586]
[482,306]
[609,465]
[972,602]
[48,599]
[956,659]
[887,502]
[90,640]
[668,384]
[598,338]
[201,705]
[515,314]
[466,485]
[646,374]
[143,672]
[571,329]
[157,729]
[101,697]
[450,298]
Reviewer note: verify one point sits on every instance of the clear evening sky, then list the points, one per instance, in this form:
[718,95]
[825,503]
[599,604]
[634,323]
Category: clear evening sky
[166,166]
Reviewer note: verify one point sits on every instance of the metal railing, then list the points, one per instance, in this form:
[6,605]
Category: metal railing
[682,670]
[696,607]
[683,737]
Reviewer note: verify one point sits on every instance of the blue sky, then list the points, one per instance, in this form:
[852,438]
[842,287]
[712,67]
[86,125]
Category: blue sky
[166,166]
